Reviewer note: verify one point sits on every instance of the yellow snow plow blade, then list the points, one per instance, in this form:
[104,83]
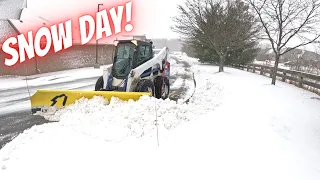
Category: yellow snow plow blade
[43,99]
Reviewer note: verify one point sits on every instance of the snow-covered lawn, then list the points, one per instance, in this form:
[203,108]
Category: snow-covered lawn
[236,126]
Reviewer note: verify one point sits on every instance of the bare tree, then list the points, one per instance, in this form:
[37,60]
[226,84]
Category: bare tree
[288,24]
[223,26]
[318,68]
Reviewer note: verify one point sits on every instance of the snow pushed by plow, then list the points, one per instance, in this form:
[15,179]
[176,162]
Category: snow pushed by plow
[118,119]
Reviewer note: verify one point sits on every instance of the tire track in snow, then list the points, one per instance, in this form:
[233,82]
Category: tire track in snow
[180,90]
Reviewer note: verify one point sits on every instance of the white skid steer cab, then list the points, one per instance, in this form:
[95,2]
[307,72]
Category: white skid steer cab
[136,68]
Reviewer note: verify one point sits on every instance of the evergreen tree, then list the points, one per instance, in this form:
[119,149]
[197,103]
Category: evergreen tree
[218,31]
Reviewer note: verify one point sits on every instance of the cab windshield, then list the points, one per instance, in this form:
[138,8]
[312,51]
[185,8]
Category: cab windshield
[123,59]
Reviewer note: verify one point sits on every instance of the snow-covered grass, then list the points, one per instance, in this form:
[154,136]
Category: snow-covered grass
[13,82]
[236,126]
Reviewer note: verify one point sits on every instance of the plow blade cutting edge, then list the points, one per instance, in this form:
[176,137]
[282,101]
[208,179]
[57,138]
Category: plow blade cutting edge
[44,99]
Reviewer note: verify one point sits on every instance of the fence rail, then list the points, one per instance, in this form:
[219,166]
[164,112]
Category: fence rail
[301,79]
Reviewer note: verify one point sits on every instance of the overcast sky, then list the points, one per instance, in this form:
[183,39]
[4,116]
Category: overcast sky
[153,16]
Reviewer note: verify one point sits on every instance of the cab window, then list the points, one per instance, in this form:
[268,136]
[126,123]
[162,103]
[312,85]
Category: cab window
[145,54]
[123,60]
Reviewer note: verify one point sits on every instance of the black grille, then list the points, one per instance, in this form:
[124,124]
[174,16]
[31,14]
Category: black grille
[116,88]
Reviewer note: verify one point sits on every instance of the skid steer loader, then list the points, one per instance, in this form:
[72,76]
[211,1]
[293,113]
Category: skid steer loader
[136,71]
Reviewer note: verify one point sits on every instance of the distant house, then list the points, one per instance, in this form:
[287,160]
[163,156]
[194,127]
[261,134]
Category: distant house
[293,55]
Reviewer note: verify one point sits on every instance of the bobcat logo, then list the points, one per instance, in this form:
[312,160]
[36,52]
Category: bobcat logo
[54,100]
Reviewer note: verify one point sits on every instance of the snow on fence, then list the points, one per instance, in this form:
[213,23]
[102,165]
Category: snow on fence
[304,80]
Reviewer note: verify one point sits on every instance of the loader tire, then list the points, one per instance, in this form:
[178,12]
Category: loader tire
[99,84]
[145,85]
[167,83]
[161,92]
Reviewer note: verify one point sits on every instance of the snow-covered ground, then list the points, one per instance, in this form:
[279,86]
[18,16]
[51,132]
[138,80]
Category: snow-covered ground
[236,126]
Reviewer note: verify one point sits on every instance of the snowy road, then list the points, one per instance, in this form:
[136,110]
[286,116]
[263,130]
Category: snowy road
[20,95]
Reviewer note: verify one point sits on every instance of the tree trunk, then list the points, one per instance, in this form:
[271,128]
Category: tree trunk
[222,59]
[275,69]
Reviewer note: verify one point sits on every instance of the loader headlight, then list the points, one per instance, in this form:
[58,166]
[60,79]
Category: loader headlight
[116,43]
[135,42]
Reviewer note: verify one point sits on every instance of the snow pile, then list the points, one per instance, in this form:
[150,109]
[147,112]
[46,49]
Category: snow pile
[179,71]
[118,119]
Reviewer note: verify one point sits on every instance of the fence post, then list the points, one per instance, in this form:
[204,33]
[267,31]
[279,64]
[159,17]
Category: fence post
[283,77]
[300,81]
[271,72]
[261,70]
[254,69]
[248,67]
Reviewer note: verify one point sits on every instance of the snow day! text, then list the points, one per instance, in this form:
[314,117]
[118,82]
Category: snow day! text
[59,37]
